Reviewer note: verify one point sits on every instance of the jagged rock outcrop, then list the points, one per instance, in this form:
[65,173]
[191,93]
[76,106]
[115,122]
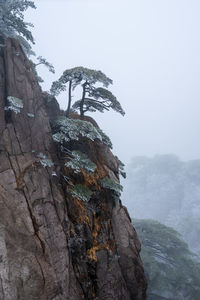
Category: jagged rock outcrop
[54,246]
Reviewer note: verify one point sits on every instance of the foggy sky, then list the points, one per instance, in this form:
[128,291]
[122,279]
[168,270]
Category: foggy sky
[150,49]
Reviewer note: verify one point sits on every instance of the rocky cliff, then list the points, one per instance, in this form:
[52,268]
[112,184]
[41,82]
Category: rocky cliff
[52,244]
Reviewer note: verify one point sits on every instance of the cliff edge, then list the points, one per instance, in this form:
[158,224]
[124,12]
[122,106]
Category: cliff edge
[54,246]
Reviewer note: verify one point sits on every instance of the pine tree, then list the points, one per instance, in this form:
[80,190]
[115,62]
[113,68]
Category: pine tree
[12,22]
[41,61]
[172,270]
[99,99]
[93,98]
[12,25]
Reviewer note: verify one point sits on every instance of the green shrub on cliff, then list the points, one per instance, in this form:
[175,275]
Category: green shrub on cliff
[45,162]
[121,166]
[14,104]
[70,129]
[81,161]
[81,192]
[112,184]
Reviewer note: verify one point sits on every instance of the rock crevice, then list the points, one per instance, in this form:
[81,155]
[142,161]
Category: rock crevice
[52,245]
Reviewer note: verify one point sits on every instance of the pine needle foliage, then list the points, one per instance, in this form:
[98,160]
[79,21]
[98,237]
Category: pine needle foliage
[111,184]
[70,129]
[41,61]
[12,22]
[45,162]
[44,62]
[121,168]
[13,25]
[81,161]
[99,99]
[77,76]
[15,104]
[172,270]
[81,192]
[93,98]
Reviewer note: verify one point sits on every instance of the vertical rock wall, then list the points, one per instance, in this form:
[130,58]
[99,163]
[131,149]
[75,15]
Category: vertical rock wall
[53,246]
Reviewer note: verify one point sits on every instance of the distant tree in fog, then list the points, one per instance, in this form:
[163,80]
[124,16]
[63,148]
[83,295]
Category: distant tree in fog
[172,270]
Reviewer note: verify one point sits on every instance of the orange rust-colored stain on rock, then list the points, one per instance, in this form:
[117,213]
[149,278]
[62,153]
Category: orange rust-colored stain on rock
[96,229]
[103,207]
[92,253]
[90,180]
[93,179]
[110,245]
[86,179]
[94,297]
[82,217]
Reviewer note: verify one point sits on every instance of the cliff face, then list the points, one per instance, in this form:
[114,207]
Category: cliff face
[52,245]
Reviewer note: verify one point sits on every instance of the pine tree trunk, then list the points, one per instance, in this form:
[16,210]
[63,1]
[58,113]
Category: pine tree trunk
[69,99]
[82,100]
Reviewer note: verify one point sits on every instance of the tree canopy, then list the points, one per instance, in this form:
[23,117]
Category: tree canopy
[12,22]
[44,62]
[93,98]
[12,25]
[99,99]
